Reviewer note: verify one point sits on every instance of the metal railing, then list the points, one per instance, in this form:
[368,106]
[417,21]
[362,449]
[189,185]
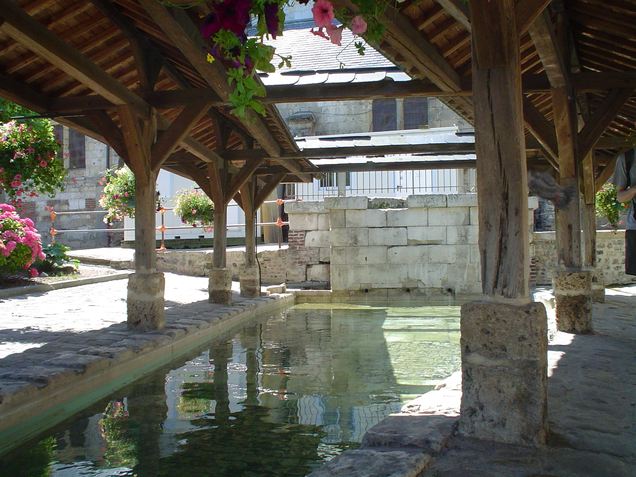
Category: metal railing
[162,228]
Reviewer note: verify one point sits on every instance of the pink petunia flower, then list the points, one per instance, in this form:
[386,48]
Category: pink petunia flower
[33,272]
[335,34]
[323,13]
[358,25]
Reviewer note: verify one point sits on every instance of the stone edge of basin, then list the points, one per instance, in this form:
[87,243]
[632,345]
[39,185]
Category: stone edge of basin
[70,381]
[406,443]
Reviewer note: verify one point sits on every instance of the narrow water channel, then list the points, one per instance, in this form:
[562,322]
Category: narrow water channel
[277,398]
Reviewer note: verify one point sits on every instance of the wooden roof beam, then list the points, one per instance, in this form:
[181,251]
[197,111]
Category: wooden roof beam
[185,36]
[542,130]
[176,133]
[34,36]
[526,12]
[552,57]
[601,119]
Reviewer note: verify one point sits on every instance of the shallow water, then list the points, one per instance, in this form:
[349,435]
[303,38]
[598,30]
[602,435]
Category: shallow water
[277,398]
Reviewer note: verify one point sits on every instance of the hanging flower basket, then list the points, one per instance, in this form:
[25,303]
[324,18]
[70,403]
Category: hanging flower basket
[195,208]
[118,198]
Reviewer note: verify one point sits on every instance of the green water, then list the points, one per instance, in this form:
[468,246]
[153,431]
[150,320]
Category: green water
[277,398]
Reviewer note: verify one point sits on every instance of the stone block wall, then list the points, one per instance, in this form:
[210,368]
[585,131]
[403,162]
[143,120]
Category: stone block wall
[308,253]
[425,244]
[428,244]
[610,255]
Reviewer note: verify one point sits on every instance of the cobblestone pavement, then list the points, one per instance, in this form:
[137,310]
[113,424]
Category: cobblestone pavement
[35,320]
[51,343]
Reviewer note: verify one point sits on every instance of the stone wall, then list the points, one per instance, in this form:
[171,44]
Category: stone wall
[424,244]
[610,252]
[81,193]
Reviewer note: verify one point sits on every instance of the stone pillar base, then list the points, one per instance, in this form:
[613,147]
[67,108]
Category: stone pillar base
[573,301]
[504,372]
[220,286]
[146,301]
[598,286]
[250,281]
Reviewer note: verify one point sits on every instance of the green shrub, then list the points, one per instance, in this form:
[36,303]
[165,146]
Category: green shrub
[194,207]
[608,206]
[56,260]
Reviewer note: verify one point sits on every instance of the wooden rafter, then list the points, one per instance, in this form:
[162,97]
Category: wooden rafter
[241,178]
[267,188]
[176,133]
[553,59]
[601,119]
[542,130]
[27,31]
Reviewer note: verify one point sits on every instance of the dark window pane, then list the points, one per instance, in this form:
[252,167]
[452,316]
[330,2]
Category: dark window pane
[384,115]
[415,113]
[76,150]
[58,131]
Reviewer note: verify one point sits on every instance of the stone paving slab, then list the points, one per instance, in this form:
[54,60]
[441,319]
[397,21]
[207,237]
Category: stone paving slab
[79,342]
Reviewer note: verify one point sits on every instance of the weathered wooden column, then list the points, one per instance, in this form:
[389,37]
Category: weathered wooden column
[250,274]
[220,278]
[572,285]
[146,286]
[503,336]
[588,220]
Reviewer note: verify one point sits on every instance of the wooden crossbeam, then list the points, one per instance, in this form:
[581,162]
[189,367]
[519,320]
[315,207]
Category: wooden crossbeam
[138,149]
[601,119]
[109,131]
[241,178]
[267,188]
[526,11]
[545,41]
[542,130]
[176,133]
[184,35]
[34,36]
[216,177]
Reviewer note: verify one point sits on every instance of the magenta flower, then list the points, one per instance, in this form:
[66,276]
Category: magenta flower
[271,18]
[358,25]
[43,163]
[323,13]
[33,272]
[232,15]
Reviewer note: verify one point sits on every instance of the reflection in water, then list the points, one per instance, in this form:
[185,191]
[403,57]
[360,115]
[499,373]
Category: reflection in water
[277,398]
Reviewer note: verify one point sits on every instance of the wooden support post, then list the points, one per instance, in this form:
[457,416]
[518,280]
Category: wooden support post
[568,222]
[220,280]
[250,275]
[504,394]
[588,218]
[572,285]
[145,286]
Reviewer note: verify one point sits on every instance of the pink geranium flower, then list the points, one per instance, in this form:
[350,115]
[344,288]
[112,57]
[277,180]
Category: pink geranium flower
[358,25]
[323,13]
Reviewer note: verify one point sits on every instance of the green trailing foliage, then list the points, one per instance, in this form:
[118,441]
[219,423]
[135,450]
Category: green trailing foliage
[608,206]
[195,208]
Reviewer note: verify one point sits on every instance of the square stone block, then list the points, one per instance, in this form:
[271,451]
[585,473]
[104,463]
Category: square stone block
[454,216]
[349,237]
[388,236]
[410,254]
[406,217]
[337,219]
[426,201]
[305,207]
[504,372]
[461,200]
[366,218]
[323,222]
[303,221]
[346,202]
[462,234]
[426,235]
[318,273]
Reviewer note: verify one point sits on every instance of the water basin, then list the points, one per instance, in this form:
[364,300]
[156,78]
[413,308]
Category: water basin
[276,398]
